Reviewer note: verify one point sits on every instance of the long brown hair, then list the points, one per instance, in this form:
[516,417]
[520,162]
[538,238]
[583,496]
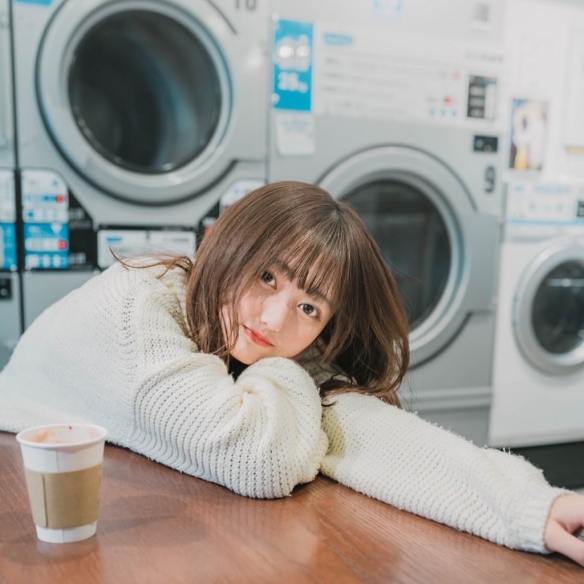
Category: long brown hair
[329,249]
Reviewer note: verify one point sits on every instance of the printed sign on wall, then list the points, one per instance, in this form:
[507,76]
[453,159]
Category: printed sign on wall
[293,65]
[528,134]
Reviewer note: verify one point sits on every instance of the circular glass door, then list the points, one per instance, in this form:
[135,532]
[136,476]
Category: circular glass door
[558,309]
[550,321]
[144,91]
[430,235]
[137,96]
[413,238]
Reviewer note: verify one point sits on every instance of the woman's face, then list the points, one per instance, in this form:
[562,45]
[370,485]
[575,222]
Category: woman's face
[276,318]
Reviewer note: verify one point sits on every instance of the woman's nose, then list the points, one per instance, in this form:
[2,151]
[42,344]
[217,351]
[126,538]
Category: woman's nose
[274,313]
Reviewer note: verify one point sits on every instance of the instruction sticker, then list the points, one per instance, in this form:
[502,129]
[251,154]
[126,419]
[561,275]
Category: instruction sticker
[295,133]
[292,59]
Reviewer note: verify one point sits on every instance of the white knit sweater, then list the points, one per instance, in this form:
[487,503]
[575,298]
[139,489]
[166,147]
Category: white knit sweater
[114,352]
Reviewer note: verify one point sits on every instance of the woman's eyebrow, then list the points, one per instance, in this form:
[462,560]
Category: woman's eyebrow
[319,296]
[314,292]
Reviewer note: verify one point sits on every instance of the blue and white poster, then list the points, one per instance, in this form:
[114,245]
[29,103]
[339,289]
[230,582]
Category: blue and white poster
[292,58]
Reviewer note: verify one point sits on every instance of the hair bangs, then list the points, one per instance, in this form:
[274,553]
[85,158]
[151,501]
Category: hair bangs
[316,264]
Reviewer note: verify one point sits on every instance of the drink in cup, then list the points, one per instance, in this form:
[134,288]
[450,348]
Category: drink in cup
[63,464]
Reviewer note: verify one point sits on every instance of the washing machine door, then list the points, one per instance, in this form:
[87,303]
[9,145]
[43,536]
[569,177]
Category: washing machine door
[137,95]
[548,314]
[441,251]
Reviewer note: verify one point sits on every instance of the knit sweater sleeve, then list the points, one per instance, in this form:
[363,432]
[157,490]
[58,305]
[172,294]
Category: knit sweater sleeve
[258,436]
[397,457]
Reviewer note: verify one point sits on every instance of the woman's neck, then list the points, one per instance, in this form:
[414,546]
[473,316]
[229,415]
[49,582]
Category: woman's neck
[236,368]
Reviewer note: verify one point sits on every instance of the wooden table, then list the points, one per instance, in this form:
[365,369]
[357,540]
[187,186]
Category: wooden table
[160,526]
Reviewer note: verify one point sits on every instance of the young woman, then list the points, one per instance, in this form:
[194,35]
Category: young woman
[276,354]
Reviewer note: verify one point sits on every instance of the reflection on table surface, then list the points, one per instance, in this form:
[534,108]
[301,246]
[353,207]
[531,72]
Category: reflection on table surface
[158,525]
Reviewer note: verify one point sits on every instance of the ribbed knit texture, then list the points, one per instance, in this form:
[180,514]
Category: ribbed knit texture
[397,457]
[114,352]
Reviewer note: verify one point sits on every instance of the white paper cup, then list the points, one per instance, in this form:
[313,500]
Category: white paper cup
[63,464]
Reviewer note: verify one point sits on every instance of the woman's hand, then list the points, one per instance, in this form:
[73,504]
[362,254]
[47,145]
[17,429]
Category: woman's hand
[565,519]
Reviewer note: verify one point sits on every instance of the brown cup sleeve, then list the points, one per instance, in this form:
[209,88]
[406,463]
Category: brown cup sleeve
[64,500]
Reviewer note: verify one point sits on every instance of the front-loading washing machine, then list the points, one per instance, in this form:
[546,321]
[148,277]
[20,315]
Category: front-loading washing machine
[10,314]
[135,118]
[395,109]
[538,379]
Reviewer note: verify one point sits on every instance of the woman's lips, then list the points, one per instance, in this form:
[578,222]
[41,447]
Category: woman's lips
[256,338]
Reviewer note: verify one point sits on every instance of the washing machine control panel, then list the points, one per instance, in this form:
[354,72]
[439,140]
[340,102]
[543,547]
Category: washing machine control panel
[60,234]
[135,241]
[45,214]
[539,211]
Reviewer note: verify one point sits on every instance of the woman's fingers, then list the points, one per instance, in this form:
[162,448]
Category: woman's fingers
[559,540]
[565,522]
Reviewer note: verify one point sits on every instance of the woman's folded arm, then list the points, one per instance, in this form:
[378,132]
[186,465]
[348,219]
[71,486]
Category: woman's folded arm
[259,436]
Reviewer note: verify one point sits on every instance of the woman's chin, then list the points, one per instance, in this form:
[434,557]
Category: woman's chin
[244,357]
[251,357]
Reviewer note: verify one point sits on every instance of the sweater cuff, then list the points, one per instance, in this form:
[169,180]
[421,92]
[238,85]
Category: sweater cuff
[536,509]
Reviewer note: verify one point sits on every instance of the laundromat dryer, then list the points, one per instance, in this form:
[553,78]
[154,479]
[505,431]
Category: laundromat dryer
[135,118]
[396,111]
[10,314]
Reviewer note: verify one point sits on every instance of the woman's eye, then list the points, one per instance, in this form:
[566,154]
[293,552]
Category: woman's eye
[267,277]
[308,309]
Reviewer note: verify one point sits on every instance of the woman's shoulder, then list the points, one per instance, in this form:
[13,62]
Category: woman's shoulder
[120,290]
[144,272]
[153,309]
[145,288]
